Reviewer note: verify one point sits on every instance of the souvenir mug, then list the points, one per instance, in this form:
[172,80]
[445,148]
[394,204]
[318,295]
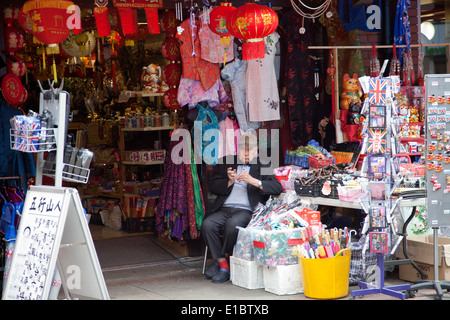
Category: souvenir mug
[134,156]
[144,156]
[159,155]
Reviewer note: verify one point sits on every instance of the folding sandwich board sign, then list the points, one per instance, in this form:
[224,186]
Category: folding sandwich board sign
[53,235]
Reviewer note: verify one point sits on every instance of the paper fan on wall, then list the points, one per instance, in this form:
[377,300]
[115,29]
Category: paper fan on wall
[79,45]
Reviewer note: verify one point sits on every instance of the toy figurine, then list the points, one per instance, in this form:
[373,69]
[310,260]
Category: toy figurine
[151,77]
[351,92]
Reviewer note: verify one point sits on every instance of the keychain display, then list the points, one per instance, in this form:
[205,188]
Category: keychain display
[438,149]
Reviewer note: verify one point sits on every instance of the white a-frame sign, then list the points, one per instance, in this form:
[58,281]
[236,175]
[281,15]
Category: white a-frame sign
[53,233]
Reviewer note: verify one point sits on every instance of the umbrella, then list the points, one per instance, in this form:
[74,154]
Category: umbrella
[10,238]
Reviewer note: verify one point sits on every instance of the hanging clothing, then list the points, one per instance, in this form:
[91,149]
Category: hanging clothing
[191,92]
[208,121]
[180,208]
[299,76]
[235,73]
[12,162]
[213,50]
[263,100]
[228,137]
[194,67]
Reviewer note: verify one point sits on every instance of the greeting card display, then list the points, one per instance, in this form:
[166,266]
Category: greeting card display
[379,242]
[377,116]
[377,166]
[378,217]
[377,141]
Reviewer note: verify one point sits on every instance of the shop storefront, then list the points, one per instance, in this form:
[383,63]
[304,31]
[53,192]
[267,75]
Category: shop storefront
[135,104]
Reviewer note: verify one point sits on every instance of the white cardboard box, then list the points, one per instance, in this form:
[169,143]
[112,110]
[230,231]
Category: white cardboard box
[421,250]
[246,274]
[283,280]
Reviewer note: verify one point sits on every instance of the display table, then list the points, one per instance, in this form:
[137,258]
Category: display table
[404,204]
[357,205]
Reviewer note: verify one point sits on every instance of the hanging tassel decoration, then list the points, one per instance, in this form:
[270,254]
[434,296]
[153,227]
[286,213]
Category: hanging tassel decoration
[395,63]
[55,74]
[44,67]
[374,64]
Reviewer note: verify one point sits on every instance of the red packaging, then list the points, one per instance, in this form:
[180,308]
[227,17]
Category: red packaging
[310,216]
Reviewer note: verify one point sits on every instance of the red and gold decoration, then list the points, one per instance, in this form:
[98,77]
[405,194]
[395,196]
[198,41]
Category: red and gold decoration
[46,20]
[170,99]
[218,24]
[218,21]
[12,89]
[251,23]
[169,22]
[101,15]
[170,49]
[172,74]
[10,15]
[14,39]
[128,14]
[17,68]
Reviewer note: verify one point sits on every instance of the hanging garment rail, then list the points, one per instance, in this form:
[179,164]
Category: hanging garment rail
[335,50]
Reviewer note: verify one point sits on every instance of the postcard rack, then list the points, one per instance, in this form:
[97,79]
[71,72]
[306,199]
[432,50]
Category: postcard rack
[380,179]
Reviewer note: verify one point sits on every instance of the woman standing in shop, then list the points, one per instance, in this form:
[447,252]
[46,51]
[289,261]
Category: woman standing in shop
[240,183]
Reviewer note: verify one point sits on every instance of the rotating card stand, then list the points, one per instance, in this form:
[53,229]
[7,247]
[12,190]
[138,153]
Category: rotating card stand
[380,145]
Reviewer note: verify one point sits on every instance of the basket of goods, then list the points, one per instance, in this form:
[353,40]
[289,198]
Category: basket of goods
[311,155]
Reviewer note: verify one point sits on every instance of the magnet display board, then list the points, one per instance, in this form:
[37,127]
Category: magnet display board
[437,128]
[53,233]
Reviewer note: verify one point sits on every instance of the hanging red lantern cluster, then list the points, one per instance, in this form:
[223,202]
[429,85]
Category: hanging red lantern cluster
[251,23]
[170,50]
[46,20]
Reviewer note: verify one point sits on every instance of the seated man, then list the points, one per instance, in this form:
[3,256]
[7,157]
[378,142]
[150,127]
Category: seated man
[240,185]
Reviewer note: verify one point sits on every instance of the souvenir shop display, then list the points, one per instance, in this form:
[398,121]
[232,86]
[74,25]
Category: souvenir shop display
[129,77]
[381,146]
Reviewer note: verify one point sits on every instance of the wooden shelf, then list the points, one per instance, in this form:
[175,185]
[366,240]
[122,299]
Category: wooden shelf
[142,163]
[99,193]
[148,128]
[144,94]
[413,139]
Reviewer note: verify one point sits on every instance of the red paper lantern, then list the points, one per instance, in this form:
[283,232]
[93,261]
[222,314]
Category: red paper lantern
[251,23]
[170,100]
[47,20]
[172,74]
[169,22]
[218,19]
[12,89]
[170,49]
[14,39]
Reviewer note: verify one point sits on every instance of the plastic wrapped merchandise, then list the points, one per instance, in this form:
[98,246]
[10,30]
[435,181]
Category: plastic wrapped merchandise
[243,249]
[277,247]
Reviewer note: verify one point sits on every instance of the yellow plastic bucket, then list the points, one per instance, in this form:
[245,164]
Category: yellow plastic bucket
[327,278]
